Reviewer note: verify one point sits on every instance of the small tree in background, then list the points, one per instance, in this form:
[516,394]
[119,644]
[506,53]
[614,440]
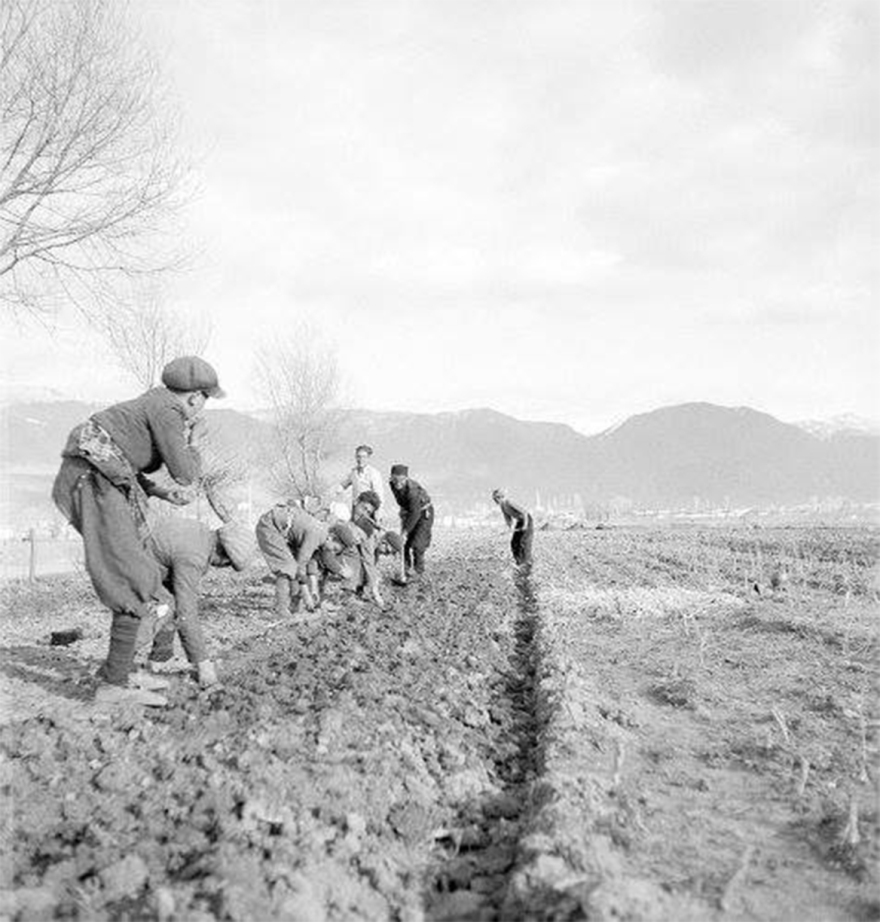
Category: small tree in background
[144,335]
[88,171]
[299,378]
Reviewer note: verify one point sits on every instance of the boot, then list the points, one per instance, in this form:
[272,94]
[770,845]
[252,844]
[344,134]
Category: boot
[143,678]
[207,674]
[120,656]
[108,696]
[282,595]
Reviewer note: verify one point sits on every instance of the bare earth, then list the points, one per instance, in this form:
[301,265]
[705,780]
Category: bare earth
[652,725]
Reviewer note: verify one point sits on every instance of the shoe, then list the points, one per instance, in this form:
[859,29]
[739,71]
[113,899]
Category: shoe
[108,695]
[143,679]
[207,674]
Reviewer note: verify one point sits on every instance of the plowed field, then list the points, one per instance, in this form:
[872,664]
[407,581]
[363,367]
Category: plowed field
[659,725]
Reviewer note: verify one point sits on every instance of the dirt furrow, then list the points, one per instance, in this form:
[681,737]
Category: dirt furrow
[473,881]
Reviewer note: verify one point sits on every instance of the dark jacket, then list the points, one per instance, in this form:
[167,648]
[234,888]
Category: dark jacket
[150,430]
[413,500]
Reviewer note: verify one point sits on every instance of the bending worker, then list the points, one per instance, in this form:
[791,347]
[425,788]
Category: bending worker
[520,521]
[186,549]
[416,518]
[102,491]
[289,536]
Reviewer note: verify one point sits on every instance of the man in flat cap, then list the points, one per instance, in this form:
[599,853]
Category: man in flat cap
[416,518]
[102,489]
[185,550]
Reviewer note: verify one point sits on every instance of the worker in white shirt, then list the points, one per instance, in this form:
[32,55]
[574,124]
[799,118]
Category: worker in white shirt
[363,477]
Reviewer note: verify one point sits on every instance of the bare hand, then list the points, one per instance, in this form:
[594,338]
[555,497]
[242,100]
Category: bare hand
[178,497]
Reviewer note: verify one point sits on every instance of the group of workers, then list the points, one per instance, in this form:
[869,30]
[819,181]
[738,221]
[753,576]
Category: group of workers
[147,569]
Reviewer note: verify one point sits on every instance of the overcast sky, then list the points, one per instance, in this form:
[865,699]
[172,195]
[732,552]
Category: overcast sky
[568,211]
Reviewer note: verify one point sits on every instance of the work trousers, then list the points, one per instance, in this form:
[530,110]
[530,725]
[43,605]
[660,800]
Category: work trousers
[125,575]
[418,541]
[184,624]
[521,542]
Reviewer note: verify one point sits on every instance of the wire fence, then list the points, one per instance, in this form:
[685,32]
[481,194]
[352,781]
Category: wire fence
[33,556]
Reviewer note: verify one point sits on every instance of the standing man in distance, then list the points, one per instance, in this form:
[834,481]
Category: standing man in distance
[416,518]
[102,490]
[523,527]
[363,477]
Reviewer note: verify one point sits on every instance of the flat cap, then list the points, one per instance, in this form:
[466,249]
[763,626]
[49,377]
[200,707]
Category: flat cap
[191,373]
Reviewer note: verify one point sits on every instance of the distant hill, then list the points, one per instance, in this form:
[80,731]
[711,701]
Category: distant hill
[667,458]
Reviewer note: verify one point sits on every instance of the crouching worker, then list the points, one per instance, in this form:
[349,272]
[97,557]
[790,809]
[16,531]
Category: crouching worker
[520,521]
[357,555]
[186,549]
[338,560]
[384,542]
[102,490]
[288,537]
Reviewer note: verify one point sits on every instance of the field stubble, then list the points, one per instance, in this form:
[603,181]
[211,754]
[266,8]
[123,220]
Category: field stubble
[663,725]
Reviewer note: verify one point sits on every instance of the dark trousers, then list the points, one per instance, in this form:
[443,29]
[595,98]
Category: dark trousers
[125,575]
[521,543]
[418,541]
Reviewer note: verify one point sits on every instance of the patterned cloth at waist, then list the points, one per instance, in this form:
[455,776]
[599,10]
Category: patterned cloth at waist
[92,442]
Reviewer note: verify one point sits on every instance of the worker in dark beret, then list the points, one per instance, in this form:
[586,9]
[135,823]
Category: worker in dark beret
[519,521]
[102,489]
[416,518]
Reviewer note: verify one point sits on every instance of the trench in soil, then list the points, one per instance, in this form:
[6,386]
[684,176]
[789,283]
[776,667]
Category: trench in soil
[483,859]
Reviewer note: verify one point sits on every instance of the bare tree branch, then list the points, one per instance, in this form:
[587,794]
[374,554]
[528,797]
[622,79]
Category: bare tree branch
[88,177]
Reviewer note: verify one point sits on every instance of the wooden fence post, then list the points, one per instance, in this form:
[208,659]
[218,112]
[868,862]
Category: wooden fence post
[32,556]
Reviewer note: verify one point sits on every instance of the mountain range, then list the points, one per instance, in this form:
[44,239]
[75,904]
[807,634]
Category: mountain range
[678,457]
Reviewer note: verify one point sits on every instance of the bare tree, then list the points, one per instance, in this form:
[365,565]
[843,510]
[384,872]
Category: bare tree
[144,335]
[88,176]
[300,379]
